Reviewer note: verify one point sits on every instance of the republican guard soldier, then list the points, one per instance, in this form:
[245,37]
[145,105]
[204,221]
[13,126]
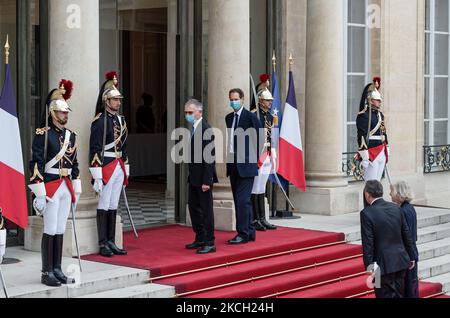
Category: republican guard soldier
[372,138]
[55,181]
[109,162]
[266,164]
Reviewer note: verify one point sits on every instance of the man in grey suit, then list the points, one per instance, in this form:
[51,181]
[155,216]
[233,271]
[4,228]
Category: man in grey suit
[386,241]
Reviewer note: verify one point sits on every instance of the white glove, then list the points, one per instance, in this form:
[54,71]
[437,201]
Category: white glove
[2,244]
[77,198]
[127,170]
[98,186]
[365,164]
[39,205]
[274,160]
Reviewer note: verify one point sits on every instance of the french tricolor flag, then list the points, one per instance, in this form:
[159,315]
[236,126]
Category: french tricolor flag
[291,159]
[13,200]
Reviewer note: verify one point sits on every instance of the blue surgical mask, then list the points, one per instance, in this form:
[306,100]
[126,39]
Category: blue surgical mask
[235,104]
[190,119]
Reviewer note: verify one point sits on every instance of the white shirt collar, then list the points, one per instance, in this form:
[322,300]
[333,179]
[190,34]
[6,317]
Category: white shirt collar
[239,112]
[376,200]
[197,123]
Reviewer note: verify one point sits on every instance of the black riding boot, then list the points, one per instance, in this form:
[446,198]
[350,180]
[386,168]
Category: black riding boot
[112,217]
[102,229]
[57,260]
[262,213]
[256,222]
[48,276]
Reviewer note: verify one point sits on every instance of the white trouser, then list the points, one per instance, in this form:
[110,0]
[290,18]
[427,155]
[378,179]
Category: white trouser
[376,168]
[259,185]
[110,196]
[2,244]
[57,211]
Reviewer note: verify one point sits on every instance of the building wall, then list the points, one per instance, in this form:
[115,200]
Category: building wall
[397,51]
[397,54]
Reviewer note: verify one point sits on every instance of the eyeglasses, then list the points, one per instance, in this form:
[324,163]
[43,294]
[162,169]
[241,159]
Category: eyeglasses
[189,113]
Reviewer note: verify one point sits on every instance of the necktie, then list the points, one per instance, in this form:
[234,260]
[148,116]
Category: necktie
[233,139]
[236,122]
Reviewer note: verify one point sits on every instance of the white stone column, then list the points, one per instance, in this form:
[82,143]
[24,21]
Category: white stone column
[229,67]
[327,189]
[403,89]
[171,93]
[74,55]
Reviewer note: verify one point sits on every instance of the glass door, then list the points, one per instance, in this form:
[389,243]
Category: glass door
[139,39]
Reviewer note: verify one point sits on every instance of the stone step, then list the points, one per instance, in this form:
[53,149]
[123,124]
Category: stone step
[434,249]
[443,279]
[433,233]
[434,267]
[90,283]
[430,250]
[427,222]
[138,291]
[424,235]
[95,278]
[427,217]
[108,280]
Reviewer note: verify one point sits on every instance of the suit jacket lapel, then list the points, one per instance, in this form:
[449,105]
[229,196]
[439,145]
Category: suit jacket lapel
[242,117]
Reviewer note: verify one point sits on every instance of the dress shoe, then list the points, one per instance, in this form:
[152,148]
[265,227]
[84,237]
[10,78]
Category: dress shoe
[116,251]
[207,250]
[238,240]
[252,239]
[49,279]
[195,246]
[105,251]
[259,226]
[267,225]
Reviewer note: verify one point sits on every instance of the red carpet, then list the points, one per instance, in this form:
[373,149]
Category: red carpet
[308,264]
[162,251]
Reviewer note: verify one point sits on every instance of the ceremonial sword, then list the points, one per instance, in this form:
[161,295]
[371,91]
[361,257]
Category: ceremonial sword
[123,188]
[1,274]
[3,283]
[255,96]
[125,199]
[74,208]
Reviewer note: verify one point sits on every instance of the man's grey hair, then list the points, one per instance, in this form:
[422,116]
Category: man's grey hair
[374,188]
[198,105]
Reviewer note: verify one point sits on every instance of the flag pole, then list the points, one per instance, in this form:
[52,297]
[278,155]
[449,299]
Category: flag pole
[277,179]
[7,47]
[287,194]
[274,62]
[2,279]
[274,193]
[291,62]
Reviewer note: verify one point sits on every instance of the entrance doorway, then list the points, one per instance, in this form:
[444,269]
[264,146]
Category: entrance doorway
[135,41]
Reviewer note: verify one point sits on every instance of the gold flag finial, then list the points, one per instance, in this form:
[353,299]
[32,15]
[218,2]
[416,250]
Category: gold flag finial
[274,61]
[7,49]
[291,61]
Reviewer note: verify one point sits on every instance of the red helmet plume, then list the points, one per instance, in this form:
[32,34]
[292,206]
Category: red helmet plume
[113,76]
[68,88]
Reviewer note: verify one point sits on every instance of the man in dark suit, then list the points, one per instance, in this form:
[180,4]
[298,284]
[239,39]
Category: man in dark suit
[202,177]
[386,242]
[242,163]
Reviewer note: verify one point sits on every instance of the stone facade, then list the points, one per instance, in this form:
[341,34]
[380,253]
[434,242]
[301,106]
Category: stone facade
[313,31]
